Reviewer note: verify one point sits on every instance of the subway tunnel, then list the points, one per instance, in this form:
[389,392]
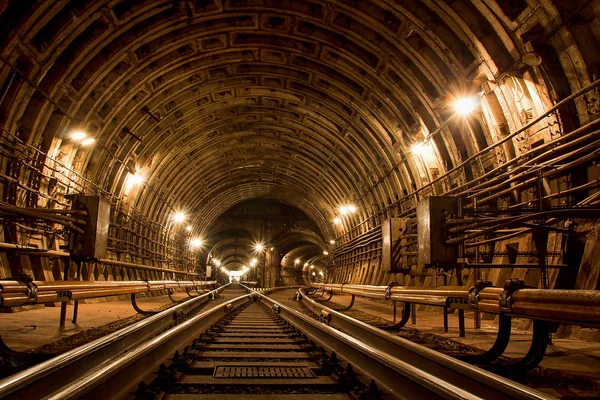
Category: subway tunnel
[399,145]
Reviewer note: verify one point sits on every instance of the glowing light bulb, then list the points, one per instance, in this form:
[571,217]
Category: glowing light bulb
[465,105]
[259,247]
[195,243]
[136,178]
[337,220]
[325,252]
[332,241]
[188,228]
[88,142]
[179,216]
[297,261]
[417,148]
[78,135]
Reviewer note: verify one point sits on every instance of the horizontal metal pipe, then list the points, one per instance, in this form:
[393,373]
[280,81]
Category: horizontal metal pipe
[575,307]
[16,293]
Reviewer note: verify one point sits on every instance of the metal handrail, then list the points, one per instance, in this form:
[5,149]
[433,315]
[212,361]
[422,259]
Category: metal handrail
[572,307]
[16,293]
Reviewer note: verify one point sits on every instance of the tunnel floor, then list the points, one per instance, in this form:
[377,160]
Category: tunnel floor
[38,329]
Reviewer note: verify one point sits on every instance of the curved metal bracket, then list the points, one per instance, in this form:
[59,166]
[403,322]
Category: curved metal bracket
[170,294]
[187,290]
[138,309]
[349,306]
[402,322]
[327,299]
[19,359]
[497,349]
[537,350]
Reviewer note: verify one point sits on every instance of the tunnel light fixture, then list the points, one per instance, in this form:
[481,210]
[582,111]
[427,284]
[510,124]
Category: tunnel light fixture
[297,261]
[337,220]
[195,243]
[417,148]
[313,274]
[136,179]
[332,241]
[179,216]
[347,209]
[253,262]
[306,264]
[271,249]
[465,105]
[321,273]
[217,262]
[224,269]
[78,135]
[188,228]
[325,252]
[88,141]
[260,247]
[312,267]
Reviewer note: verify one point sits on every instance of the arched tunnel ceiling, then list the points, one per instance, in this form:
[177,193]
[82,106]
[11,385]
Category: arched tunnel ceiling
[312,103]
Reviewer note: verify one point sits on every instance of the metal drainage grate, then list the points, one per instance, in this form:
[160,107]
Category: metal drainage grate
[263,372]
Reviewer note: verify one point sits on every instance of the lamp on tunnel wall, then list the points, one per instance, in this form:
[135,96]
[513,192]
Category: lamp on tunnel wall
[344,210]
[297,261]
[179,217]
[465,105]
[81,137]
[259,247]
[195,243]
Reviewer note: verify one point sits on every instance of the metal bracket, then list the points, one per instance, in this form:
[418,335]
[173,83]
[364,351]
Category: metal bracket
[505,298]
[474,292]
[388,289]
[138,309]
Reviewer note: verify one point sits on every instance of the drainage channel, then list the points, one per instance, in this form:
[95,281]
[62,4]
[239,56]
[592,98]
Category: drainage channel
[251,353]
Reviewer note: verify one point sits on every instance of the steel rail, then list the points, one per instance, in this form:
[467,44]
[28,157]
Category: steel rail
[441,374]
[107,382]
[43,379]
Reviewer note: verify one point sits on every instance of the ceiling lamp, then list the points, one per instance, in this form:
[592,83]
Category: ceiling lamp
[465,105]
[179,217]
[195,243]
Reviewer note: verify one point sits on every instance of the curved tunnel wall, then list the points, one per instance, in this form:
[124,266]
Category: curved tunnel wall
[314,103]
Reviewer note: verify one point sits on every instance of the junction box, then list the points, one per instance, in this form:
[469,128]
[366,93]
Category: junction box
[92,244]
[431,216]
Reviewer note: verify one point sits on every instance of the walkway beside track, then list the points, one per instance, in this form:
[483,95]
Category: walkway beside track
[26,330]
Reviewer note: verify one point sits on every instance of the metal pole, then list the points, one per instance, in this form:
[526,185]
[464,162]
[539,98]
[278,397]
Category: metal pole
[76,303]
[63,305]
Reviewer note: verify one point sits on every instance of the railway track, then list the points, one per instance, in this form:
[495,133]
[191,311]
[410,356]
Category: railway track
[251,346]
